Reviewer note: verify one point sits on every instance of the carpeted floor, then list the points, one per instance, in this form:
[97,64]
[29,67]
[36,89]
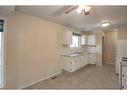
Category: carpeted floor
[88,77]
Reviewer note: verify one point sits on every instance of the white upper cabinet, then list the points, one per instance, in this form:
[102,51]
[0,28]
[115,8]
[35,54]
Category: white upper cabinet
[67,36]
[83,39]
[91,40]
[88,40]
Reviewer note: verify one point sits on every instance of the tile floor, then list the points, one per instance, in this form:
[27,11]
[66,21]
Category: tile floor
[88,77]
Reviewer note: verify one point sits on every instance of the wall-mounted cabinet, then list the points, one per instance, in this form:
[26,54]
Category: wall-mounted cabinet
[89,40]
[83,40]
[67,37]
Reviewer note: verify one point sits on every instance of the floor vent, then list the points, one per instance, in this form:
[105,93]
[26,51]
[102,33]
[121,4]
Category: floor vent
[54,77]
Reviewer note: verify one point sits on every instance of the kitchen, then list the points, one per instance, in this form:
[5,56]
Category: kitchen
[81,51]
[54,50]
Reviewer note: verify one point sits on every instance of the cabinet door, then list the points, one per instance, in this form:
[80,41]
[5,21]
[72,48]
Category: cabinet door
[71,64]
[87,40]
[67,37]
[83,40]
[67,63]
[84,60]
[91,39]
[77,62]
[92,58]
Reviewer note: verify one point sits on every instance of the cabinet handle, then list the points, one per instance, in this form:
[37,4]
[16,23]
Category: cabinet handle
[71,62]
[75,60]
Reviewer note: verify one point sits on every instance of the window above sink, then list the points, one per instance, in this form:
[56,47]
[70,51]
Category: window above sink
[76,41]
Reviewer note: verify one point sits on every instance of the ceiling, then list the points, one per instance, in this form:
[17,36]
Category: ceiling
[6,11]
[117,15]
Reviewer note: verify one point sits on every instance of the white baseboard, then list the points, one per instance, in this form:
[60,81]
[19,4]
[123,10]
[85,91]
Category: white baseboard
[40,80]
[109,63]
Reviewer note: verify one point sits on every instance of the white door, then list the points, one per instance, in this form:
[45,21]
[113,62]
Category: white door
[1,53]
[122,52]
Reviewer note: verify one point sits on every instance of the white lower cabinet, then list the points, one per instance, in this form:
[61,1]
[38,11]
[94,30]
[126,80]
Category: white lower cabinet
[84,60]
[74,63]
[71,64]
[92,58]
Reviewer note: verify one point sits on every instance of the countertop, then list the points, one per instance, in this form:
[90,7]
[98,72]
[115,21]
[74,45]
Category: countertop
[72,55]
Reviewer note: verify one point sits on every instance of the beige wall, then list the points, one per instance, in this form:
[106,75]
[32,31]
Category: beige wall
[109,47]
[122,32]
[33,50]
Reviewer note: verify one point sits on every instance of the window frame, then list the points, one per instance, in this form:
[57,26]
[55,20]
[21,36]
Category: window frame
[79,40]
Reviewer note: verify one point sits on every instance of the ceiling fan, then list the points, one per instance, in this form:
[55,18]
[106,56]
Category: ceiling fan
[80,9]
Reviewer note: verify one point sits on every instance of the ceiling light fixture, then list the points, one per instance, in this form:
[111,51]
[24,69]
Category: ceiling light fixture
[83,7]
[87,8]
[80,8]
[105,24]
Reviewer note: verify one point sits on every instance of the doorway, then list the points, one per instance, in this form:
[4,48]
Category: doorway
[109,47]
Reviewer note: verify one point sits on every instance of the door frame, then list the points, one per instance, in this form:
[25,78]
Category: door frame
[4,42]
[116,51]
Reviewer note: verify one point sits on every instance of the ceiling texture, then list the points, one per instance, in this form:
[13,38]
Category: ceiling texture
[117,15]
